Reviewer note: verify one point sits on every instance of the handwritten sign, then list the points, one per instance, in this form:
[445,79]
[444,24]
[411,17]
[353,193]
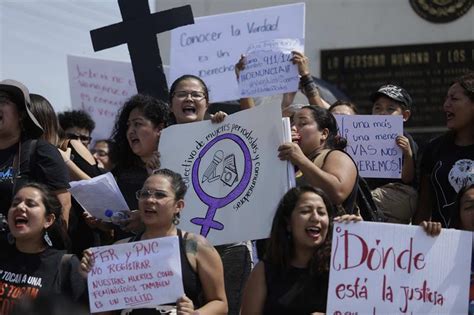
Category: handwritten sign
[269,70]
[212,45]
[227,168]
[371,143]
[135,275]
[381,268]
[100,87]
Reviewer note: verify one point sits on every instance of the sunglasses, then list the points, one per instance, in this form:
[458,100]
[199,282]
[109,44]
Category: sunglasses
[74,136]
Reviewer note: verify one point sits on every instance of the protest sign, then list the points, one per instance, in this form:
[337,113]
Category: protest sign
[135,275]
[371,143]
[100,196]
[381,268]
[212,45]
[232,171]
[100,87]
[269,69]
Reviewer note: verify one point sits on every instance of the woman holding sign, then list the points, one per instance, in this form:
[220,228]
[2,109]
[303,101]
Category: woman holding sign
[317,152]
[35,264]
[189,99]
[160,202]
[294,277]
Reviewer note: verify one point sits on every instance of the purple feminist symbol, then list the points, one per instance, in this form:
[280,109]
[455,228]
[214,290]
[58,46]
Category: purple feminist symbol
[208,222]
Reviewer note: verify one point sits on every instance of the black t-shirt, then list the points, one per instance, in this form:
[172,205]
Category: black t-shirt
[129,181]
[45,166]
[86,167]
[450,167]
[34,275]
[378,182]
[294,291]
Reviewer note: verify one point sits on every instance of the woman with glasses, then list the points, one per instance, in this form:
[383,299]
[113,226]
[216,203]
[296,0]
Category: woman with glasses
[160,202]
[189,99]
[101,152]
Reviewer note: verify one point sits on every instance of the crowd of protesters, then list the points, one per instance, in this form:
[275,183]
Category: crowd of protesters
[46,233]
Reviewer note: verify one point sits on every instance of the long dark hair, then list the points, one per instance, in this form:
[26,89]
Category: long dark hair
[325,119]
[153,109]
[44,113]
[57,231]
[280,247]
[178,81]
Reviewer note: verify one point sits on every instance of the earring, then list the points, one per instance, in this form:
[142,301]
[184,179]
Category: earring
[47,239]
[176,219]
[10,238]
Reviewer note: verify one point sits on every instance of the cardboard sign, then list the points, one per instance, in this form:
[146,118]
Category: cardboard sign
[233,173]
[135,275]
[269,69]
[100,87]
[381,268]
[371,143]
[212,45]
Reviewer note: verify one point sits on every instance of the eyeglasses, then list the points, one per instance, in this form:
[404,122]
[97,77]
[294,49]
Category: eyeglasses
[146,193]
[74,136]
[195,95]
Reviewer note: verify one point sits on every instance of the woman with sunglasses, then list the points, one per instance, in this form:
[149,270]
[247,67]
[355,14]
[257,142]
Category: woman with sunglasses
[160,202]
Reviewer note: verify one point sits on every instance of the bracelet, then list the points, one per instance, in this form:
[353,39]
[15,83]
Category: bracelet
[306,79]
[311,89]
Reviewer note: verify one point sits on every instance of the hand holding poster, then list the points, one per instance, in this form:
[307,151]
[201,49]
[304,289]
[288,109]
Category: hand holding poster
[233,173]
[213,44]
[135,275]
[269,69]
[371,143]
[381,268]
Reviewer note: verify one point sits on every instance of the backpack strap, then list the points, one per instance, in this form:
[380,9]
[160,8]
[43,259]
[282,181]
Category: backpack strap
[321,157]
[23,161]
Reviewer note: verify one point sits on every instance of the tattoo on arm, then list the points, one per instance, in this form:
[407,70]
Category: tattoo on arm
[191,246]
[193,243]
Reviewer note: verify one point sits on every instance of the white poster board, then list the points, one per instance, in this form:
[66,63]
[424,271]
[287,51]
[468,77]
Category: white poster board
[135,275]
[213,44]
[381,268]
[269,69]
[235,179]
[100,87]
[371,143]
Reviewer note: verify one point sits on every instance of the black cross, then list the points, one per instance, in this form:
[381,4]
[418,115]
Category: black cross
[138,30]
